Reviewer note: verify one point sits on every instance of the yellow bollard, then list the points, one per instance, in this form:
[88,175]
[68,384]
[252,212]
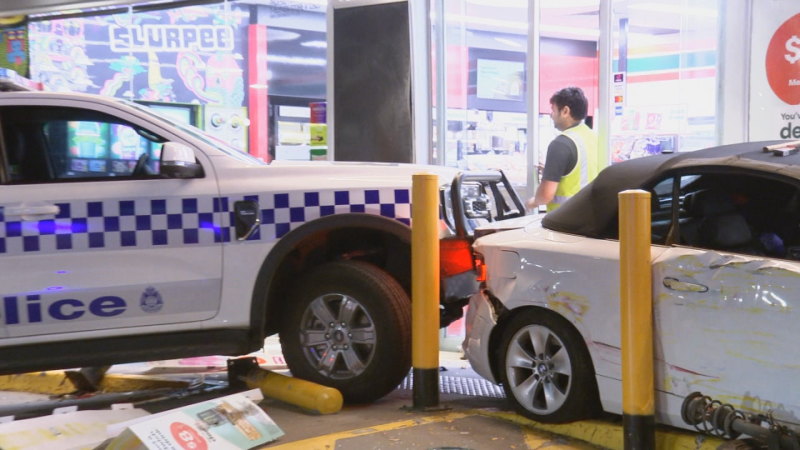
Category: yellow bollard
[305,394]
[425,289]
[636,310]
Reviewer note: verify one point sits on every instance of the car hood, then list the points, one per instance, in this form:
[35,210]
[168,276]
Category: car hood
[515,223]
[528,234]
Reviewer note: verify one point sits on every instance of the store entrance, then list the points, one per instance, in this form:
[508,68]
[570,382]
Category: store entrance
[486,56]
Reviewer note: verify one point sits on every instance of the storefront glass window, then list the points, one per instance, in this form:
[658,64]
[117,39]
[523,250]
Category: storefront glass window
[664,77]
[189,62]
[664,80]
[484,58]
[568,56]
[194,63]
[485,61]
[296,67]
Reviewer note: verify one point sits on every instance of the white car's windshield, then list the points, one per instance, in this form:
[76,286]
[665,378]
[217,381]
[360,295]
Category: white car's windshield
[202,135]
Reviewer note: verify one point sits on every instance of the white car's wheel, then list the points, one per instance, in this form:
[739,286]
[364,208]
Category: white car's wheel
[545,368]
[348,326]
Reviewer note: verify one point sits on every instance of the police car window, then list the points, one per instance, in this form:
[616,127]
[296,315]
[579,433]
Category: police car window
[91,149]
[59,144]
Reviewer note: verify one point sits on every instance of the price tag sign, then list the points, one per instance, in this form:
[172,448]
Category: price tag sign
[187,437]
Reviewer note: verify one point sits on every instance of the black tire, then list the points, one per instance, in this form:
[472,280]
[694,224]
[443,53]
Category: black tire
[363,345]
[546,370]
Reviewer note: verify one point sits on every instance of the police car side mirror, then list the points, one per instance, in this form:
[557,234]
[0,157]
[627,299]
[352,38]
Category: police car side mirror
[178,161]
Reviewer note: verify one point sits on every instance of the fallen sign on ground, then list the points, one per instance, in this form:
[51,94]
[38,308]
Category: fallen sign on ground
[226,423]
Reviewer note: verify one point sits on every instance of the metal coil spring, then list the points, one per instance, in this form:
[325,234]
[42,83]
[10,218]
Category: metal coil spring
[717,417]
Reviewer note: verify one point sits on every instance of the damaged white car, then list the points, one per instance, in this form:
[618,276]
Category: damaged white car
[726,290]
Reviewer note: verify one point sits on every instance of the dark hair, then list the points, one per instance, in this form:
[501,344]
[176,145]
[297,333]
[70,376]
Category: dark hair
[573,97]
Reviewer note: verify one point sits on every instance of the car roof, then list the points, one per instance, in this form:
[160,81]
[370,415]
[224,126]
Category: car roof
[590,212]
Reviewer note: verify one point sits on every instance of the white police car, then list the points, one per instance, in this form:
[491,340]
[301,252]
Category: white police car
[125,237]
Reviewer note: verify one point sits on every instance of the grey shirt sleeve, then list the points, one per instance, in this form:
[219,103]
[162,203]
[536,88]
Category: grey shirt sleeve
[562,155]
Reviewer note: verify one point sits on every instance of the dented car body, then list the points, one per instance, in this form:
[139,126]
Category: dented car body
[725,261]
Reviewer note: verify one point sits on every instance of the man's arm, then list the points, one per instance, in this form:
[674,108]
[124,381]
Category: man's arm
[561,159]
[544,194]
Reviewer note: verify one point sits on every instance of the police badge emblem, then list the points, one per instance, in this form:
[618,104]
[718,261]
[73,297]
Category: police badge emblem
[151,300]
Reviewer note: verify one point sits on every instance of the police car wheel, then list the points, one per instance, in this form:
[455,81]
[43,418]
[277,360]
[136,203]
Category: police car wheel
[348,326]
[545,368]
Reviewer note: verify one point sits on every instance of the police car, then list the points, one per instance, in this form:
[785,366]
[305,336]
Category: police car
[127,237]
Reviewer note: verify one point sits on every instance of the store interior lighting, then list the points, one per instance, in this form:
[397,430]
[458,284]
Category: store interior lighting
[500,3]
[315,44]
[673,8]
[295,60]
[274,34]
[508,42]
[496,23]
[562,4]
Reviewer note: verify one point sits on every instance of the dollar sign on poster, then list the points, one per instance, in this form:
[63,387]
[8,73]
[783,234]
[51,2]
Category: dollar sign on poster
[783,55]
[793,47]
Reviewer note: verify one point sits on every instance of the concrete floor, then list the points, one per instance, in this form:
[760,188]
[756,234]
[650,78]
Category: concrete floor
[464,420]
[466,423]
[473,414]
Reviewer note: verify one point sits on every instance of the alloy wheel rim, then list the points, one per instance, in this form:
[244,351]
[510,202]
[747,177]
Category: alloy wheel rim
[538,369]
[338,336]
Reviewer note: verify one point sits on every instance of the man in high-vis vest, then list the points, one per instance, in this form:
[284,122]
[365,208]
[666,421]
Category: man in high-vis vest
[572,160]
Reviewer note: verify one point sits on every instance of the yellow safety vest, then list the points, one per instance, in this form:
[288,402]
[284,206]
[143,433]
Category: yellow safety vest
[586,167]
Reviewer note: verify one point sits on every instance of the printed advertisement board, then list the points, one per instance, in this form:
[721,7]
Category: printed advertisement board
[775,72]
[186,55]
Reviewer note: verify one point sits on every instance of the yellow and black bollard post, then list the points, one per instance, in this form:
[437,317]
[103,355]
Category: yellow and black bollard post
[425,290]
[305,394]
[246,373]
[638,395]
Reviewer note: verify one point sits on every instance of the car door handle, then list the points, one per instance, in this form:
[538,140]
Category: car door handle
[247,219]
[678,285]
[31,212]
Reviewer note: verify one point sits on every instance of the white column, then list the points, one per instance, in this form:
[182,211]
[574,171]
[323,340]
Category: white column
[733,71]
[604,104]
[532,83]
[421,80]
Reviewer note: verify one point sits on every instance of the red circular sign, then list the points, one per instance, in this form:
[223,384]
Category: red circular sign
[187,437]
[783,61]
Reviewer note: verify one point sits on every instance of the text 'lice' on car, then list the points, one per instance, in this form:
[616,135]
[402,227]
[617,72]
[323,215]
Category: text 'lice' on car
[125,236]
[725,261]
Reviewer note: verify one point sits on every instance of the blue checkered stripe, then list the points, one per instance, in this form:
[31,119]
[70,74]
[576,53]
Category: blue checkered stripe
[140,223]
[158,223]
[283,212]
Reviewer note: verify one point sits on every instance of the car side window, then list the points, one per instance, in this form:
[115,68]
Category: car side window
[734,212]
[46,144]
[661,210]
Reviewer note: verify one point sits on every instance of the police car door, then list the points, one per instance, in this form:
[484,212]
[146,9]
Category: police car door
[91,237]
